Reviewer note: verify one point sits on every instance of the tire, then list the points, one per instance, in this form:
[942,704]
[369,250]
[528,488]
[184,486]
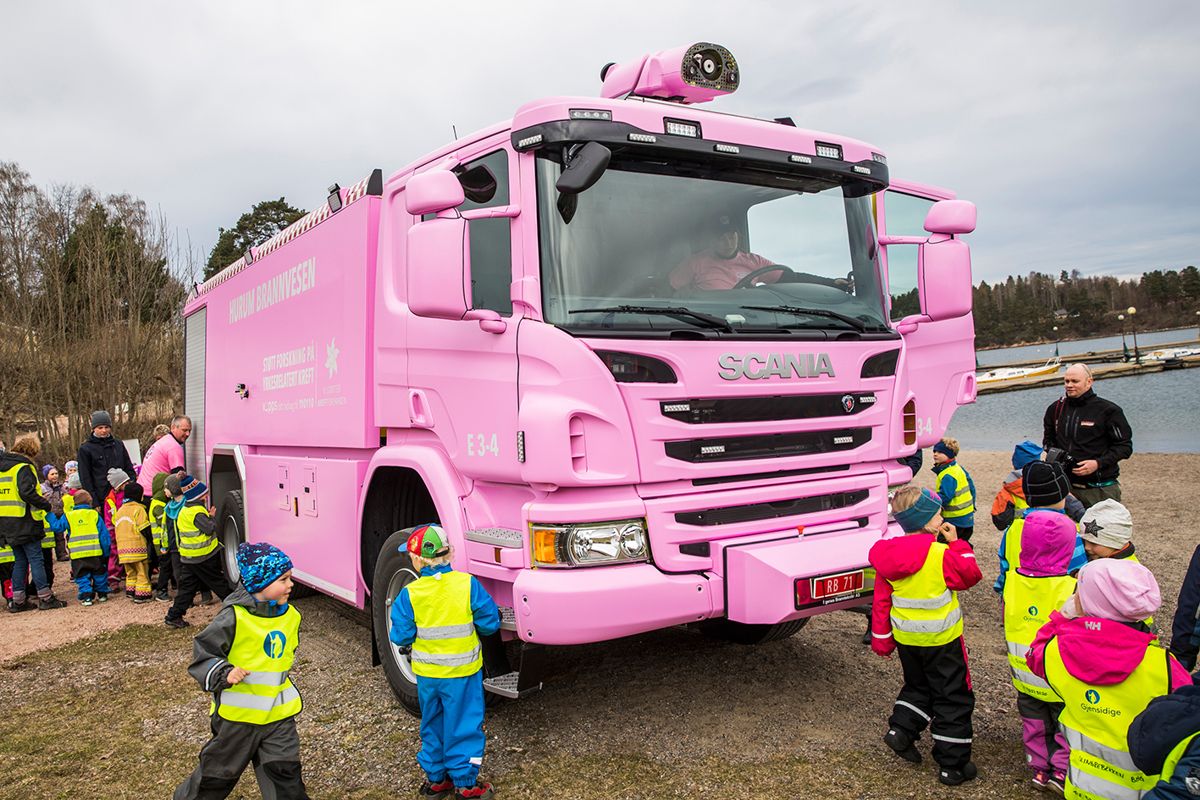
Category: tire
[749,634]
[231,531]
[393,571]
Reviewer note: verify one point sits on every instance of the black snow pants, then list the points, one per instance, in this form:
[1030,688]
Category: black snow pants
[937,692]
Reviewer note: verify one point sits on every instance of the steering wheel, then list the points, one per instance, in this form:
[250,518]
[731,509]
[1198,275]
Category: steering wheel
[750,276]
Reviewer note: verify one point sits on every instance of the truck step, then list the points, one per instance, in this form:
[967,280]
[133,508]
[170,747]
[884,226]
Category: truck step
[508,685]
[508,619]
[497,537]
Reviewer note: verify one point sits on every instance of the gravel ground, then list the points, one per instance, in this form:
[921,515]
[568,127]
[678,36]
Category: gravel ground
[668,714]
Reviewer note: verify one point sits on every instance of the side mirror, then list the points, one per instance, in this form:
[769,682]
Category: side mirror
[944,276]
[583,168]
[950,217]
[438,255]
[433,192]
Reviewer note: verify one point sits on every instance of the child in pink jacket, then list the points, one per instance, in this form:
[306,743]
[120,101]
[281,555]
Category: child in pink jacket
[1101,660]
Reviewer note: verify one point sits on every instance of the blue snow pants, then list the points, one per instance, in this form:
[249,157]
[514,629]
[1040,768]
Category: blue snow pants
[452,738]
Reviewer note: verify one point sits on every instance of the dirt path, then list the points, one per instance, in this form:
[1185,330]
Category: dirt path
[665,715]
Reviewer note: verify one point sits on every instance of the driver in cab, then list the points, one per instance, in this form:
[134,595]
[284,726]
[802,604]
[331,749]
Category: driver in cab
[724,264]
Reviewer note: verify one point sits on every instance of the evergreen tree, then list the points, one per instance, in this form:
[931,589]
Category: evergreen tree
[260,223]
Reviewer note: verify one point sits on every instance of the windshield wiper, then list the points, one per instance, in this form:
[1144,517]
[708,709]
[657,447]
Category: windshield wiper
[857,324]
[686,314]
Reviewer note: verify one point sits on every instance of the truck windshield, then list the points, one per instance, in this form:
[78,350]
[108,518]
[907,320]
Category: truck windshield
[651,249]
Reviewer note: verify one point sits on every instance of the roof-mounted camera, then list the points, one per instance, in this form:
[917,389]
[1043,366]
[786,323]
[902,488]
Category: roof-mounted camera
[691,74]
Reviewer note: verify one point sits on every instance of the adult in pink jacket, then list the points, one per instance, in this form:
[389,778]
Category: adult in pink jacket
[1106,666]
[165,454]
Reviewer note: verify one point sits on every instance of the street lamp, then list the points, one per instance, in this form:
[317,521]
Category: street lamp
[1055,329]
[1124,347]
[1137,356]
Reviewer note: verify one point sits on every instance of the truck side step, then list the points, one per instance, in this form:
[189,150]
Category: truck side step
[503,679]
[496,537]
[508,619]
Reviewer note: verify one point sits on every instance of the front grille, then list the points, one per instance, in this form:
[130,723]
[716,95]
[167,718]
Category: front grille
[772,445]
[702,411]
[761,476]
[773,510]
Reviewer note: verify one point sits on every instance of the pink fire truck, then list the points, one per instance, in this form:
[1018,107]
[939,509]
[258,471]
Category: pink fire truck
[648,365]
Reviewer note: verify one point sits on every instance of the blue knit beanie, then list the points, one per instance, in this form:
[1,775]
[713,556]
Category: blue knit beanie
[941,447]
[917,516]
[261,565]
[1025,452]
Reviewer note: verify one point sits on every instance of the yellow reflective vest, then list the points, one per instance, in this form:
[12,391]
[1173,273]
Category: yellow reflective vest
[962,503]
[447,645]
[11,504]
[1172,759]
[194,544]
[6,555]
[1096,720]
[925,612]
[1028,602]
[47,533]
[83,534]
[158,509]
[266,646]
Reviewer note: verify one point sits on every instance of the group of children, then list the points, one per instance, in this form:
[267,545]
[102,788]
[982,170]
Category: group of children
[1106,710]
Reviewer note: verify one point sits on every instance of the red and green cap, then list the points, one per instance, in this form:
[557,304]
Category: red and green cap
[428,541]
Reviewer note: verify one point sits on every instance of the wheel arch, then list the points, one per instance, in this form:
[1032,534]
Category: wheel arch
[226,473]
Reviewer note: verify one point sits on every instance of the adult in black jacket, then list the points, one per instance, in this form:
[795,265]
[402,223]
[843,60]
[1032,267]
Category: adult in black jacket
[21,497]
[1168,721]
[100,453]
[1091,430]
[1185,632]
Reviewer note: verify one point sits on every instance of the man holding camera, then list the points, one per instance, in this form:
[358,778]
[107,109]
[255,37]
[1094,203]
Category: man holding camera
[1090,436]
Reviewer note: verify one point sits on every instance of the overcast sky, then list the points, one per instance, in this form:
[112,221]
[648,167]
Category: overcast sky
[1072,125]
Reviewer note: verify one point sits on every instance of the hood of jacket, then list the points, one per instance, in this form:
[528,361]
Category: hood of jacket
[1166,722]
[1047,544]
[1013,484]
[9,459]
[1098,651]
[900,556]
[240,597]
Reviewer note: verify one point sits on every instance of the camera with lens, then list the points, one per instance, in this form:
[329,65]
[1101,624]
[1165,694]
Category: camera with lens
[1056,455]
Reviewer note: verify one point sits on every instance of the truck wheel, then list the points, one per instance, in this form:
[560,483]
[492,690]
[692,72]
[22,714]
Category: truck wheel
[393,571]
[231,531]
[746,633]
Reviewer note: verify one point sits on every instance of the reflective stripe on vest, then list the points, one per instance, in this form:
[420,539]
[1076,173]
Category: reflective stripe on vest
[446,645]
[1096,720]
[925,612]
[11,504]
[1176,754]
[47,534]
[193,545]
[961,504]
[6,555]
[1028,602]
[83,536]
[266,646]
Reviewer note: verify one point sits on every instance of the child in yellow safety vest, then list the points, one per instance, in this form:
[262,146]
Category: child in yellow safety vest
[1164,740]
[1107,531]
[1105,666]
[1039,586]
[441,615]
[89,544]
[915,611]
[955,488]
[244,658]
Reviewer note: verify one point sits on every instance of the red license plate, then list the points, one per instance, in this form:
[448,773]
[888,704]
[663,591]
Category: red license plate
[834,585]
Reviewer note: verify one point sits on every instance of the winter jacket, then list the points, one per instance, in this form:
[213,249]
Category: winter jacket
[210,651]
[25,529]
[128,524]
[1089,427]
[1004,509]
[902,556]
[54,493]
[1185,632]
[1158,730]
[96,457]
[1078,558]
[1100,652]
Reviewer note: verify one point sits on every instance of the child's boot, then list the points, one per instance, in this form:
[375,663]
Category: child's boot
[953,776]
[480,791]
[439,790]
[903,745]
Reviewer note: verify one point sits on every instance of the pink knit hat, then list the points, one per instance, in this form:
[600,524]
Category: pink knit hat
[1117,589]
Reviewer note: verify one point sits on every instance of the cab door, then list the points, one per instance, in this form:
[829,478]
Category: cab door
[462,373]
[938,366]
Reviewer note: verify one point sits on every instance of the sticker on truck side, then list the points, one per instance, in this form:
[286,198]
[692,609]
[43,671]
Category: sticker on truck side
[478,444]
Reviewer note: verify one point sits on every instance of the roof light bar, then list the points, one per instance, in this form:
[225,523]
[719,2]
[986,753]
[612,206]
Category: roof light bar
[879,158]
[678,127]
[829,150]
[529,141]
[727,148]
[796,158]
[644,138]
[591,113]
[861,169]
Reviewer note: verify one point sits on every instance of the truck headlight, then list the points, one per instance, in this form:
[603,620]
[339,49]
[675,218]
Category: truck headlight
[589,544]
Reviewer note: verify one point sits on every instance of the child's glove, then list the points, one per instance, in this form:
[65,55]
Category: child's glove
[884,646]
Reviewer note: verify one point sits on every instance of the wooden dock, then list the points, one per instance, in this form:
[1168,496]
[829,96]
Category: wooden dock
[1104,363]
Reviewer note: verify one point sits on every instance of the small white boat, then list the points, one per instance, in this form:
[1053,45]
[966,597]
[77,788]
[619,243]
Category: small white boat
[1017,373]
[1171,352]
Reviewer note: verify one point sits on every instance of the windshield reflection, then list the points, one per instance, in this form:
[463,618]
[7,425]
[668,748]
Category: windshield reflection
[648,251]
